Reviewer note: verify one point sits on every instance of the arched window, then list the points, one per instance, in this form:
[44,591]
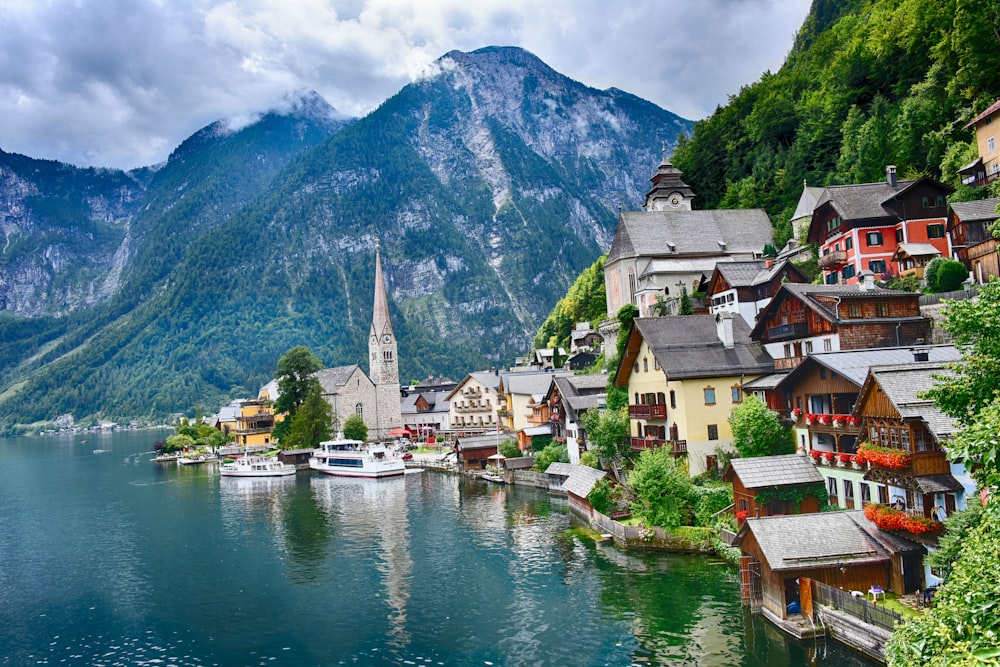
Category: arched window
[360,410]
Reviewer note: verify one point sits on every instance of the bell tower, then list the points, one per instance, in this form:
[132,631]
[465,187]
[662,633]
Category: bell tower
[382,358]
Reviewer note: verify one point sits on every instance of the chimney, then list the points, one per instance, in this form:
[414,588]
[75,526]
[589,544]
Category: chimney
[866,281]
[890,175]
[724,328]
[769,262]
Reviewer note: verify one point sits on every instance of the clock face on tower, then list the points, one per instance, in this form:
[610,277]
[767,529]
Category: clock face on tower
[386,338]
[674,199]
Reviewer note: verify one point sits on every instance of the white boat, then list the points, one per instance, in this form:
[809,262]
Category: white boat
[256,466]
[353,458]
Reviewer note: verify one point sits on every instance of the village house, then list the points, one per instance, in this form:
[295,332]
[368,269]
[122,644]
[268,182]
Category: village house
[568,398]
[520,397]
[772,485]
[975,246]
[843,550]
[668,248]
[254,422]
[583,337]
[986,167]
[426,413]
[859,227]
[803,319]
[747,287]
[684,374]
[473,452]
[473,405]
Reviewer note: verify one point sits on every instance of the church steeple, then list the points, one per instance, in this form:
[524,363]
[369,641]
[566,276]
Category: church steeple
[669,192]
[384,367]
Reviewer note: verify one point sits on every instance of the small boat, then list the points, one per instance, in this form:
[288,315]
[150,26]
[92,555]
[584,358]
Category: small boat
[191,460]
[353,458]
[256,466]
[165,458]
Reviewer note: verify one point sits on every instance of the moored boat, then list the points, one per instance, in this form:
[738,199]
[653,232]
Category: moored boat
[352,458]
[256,466]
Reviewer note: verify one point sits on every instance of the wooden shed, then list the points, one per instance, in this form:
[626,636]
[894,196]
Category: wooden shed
[770,485]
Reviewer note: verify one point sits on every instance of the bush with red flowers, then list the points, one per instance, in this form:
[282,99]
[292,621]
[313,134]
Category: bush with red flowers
[887,518]
[884,457]
[741,515]
[844,458]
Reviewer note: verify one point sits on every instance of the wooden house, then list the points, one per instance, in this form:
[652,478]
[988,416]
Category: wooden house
[840,549]
[859,227]
[773,485]
[805,319]
[975,246]
[569,397]
[474,452]
[747,287]
[578,486]
[985,168]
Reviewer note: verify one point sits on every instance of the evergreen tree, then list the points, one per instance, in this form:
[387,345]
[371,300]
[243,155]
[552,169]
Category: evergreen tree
[758,431]
[312,422]
[685,307]
[296,379]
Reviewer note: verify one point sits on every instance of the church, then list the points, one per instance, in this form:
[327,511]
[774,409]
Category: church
[374,397]
[667,247]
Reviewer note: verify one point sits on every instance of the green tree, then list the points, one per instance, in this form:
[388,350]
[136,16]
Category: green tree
[311,423]
[355,429]
[509,449]
[177,442]
[945,275]
[552,453]
[607,432]
[664,495]
[685,307]
[296,375]
[590,459]
[758,430]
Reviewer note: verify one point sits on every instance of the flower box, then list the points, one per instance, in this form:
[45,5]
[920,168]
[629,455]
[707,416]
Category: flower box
[827,458]
[887,518]
[843,459]
[885,457]
[815,455]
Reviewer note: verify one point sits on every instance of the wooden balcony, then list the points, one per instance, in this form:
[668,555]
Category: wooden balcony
[677,447]
[931,462]
[648,411]
[787,363]
[833,260]
[784,331]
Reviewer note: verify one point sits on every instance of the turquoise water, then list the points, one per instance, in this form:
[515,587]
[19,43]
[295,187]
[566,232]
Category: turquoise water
[109,559]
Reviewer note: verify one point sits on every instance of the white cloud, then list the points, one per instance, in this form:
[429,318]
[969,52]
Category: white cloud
[122,82]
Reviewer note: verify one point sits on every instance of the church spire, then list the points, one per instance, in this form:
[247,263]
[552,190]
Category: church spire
[381,325]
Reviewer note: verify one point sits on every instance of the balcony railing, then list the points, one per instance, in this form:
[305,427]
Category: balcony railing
[676,447]
[794,330]
[833,260]
[648,411]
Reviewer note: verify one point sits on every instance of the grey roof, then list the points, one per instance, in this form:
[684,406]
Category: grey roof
[749,274]
[649,233]
[489,379]
[807,202]
[766,382]
[916,250]
[765,471]
[823,539]
[530,383]
[581,392]
[478,442]
[938,484]
[854,364]
[969,211]
[689,347]
[332,379]
[437,399]
[559,468]
[582,479]
[862,201]
[902,383]
[988,111]
[432,382]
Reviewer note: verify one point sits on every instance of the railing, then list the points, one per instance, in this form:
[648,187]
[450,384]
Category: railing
[794,330]
[857,607]
[648,411]
[677,447]
[787,363]
[833,259]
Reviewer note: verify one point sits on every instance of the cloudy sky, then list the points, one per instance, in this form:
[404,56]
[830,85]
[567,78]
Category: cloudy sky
[120,83]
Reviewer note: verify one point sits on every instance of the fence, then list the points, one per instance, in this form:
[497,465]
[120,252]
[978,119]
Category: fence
[531,478]
[957,295]
[858,607]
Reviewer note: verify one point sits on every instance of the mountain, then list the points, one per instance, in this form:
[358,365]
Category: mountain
[492,182]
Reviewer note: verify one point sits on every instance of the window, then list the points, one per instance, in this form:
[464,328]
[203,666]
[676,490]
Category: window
[881,309]
[711,462]
[833,223]
[826,251]
[939,201]
[854,310]
[788,350]
[849,493]
[848,243]
[673,399]
[831,278]
[866,493]
[848,272]
[899,236]
[809,347]
[883,494]
[831,488]
[645,365]
[873,238]
[827,345]
[935,231]
[836,247]
[359,409]
[709,396]
[877,266]
[713,431]
[925,202]
[737,394]
[991,144]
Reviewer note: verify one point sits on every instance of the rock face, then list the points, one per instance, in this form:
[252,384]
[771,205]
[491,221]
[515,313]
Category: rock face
[492,183]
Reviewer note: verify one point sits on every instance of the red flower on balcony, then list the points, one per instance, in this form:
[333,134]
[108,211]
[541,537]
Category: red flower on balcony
[884,457]
[815,454]
[823,419]
[887,518]
[741,515]
[844,458]
[797,412]
[810,417]
[827,456]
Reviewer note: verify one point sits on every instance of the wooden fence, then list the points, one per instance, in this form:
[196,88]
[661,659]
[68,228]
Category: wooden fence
[857,607]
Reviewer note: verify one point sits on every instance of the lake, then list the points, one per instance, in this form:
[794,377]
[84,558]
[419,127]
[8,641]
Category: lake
[109,559]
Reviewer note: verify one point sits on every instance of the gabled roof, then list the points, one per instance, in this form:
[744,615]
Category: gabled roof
[437,400]
[580,392]
[477,442]
[688,346]
[559,468]
[901,384]
[915,250]
[974,211]
[807,293]
[486,378]
[989,110]
[853,365]
[530,383]
[807,201]
[771,471]
[653,233]
[332,379]
[581,480]
[820,540]
[753,273]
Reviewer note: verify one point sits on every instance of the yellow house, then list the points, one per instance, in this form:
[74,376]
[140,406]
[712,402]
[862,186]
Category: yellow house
[254,423]
[684,375]
[987,167]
